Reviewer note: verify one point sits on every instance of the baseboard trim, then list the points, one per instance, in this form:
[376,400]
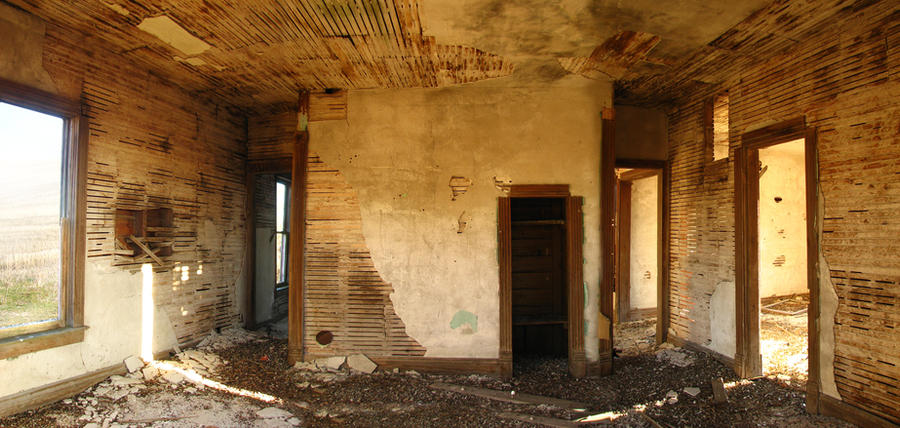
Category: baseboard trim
[39,396]
[830,406]
[488,366]
[693,346]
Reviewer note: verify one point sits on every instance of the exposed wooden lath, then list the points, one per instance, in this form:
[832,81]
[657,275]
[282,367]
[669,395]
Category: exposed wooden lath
[771,31]
[263,51]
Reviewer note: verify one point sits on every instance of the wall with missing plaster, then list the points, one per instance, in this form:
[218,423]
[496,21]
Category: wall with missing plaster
[150,145]
[855,108]
[411,142]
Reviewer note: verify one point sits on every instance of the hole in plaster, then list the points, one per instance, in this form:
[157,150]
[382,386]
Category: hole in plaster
[324,337]
[777,199]
[779,261]
[459,186]
[463,222]
[167,30]
[502,183]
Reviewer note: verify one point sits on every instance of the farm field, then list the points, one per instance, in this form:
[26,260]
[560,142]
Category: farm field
[30,165]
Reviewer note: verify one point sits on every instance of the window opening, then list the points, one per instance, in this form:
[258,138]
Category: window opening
[31,192]
[282,231]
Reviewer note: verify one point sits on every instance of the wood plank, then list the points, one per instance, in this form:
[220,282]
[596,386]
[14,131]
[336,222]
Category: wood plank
[511,396]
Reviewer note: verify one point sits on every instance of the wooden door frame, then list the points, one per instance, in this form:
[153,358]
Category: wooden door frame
[574,272]
[747,356]
[659,169]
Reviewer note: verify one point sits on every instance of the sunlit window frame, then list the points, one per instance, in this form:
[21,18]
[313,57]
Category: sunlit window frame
[286,231]
[69,328]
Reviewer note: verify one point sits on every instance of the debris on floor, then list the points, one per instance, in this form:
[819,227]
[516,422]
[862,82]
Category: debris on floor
[227,382]
[635,337]
[783,337]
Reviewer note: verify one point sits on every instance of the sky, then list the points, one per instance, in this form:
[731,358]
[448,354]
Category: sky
[30,162]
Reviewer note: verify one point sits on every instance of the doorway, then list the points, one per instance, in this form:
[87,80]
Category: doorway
[539,310]
[269,217]
[540,266]
[639,261]
[776,253]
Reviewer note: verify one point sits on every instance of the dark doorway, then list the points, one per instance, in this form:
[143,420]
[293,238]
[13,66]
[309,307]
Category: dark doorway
[539,299]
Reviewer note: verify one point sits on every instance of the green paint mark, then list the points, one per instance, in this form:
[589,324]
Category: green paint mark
[465,317]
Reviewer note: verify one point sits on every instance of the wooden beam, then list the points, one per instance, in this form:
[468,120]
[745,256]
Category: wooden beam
[299,162]
[510,396]
[36,397]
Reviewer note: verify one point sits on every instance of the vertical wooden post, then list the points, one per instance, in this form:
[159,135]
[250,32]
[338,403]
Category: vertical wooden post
[812,266]
[608,236]
[623,276]
[504,256]
[574,244]
[299,162]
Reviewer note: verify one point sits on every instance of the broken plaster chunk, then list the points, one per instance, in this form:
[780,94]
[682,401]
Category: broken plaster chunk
[123,381]
[330,363]
[150,372]
[273,412]
[692,391]
[133,364]
[361,363]
[173,377]
[305,365]
[675,357]
[459,186]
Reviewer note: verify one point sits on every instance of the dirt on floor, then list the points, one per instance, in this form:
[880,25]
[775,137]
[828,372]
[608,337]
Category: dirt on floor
[243,379]
[783,335]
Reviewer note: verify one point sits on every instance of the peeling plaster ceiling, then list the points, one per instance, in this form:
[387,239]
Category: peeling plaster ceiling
[258,53]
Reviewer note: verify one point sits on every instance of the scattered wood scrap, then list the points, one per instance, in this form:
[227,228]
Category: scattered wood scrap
[719,395]
[511,396]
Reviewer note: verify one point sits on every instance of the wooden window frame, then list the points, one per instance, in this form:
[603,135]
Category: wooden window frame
[286,230]
[69,328]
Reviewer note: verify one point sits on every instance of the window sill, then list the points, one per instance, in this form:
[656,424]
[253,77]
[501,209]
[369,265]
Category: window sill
[19,345]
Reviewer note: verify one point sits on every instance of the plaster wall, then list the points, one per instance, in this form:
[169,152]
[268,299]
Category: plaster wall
[782,220]
[641,133]
[399,150]
[644,242]
[150,145]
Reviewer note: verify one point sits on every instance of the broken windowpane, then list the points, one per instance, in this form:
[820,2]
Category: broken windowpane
[30,194]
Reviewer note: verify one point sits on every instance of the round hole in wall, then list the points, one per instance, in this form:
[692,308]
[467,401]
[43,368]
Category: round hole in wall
[324,337]
[777,199]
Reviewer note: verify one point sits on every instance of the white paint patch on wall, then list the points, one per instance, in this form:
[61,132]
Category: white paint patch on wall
[112,312]
[723,334]
[782,220]
[405,146]
[644,242]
